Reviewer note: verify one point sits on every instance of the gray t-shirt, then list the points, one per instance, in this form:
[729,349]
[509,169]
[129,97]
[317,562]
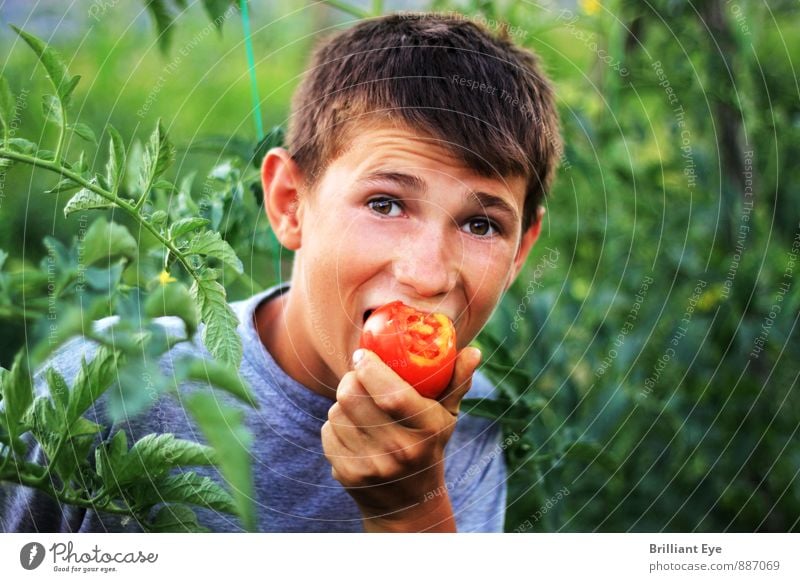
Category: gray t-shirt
[294,489]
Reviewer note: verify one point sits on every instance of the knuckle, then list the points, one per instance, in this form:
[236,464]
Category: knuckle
[347,398]
[391,402]
[384,468]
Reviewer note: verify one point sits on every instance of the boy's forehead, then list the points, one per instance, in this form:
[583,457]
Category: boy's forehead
[410,157]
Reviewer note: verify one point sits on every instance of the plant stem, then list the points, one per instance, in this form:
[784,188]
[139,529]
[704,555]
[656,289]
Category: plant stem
[20,478]
[61,130]
[110,196]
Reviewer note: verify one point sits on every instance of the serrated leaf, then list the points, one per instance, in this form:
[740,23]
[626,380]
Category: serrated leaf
[85,199]
[64,185]
[84,132]
[186,225]
[110,454]
[17,391]
[209,243]
[158,155]
[220,334]
[51,109]
[44,423]
[59,392]
[115,166]
[22,146]
[53,64]
[107,240]
[155,454]
[187,488]
[173,299]
[219,375]
[92,380]
[224,429]
[175,518]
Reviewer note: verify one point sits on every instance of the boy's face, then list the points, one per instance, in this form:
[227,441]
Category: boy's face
[397,217]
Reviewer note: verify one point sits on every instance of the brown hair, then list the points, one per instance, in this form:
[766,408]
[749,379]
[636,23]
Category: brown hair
[486,99]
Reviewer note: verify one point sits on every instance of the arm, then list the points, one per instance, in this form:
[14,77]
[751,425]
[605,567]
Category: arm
[386,445]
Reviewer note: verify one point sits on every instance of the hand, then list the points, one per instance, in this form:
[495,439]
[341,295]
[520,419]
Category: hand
[386,444]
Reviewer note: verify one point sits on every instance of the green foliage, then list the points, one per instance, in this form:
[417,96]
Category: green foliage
[641,438]
[124,481]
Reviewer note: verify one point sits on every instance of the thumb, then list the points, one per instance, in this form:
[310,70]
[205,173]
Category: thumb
[466,363]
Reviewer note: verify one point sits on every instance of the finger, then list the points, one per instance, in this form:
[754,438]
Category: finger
[359,406]
[390,392]
[466,364]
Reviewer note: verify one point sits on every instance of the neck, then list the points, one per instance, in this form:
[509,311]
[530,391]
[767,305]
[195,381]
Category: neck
[279,323]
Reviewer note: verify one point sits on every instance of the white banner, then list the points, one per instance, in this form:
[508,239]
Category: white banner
[401,557]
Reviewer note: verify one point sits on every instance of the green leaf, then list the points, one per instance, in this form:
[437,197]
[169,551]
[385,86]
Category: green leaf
[175,518]
[517,417]
[187,488]
[186,225]
[216,374]
[216,10]
[17,392]
[59,392]
[84,132]
[51,108]
[92,380]
[588,452]
[6,106]
[163,20]
[85,199]
[108,455]
[224,429]
[64,185]
[22,146]
[220,335]
[158,155]
[210,244]
[173,299]
[45,424]
[155,454]
[276,137]
[106,240]
[115,166]
[53,64]
[140,383]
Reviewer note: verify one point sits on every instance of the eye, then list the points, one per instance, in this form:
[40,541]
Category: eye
[386,206]
[482,227]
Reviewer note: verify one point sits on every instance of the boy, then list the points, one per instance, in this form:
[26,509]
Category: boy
[420,150]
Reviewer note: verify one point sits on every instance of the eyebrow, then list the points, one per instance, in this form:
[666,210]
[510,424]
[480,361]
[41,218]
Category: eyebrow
[418,185]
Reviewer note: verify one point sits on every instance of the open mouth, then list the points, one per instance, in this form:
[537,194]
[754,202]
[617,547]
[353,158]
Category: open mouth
[367,313]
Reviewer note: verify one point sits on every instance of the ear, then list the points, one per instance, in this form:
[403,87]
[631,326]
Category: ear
[282,180]
[529,238]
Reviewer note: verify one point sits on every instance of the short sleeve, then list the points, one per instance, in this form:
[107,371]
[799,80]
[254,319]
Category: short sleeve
[475,469]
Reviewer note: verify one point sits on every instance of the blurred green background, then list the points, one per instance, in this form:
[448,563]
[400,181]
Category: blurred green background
[648,354]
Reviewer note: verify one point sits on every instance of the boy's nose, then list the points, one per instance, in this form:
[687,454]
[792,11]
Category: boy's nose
[427,263]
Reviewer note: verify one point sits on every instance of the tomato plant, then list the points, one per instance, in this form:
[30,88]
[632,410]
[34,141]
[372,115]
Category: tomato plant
[420,347]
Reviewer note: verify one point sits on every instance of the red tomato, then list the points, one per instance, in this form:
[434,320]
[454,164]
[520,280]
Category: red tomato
[420,347]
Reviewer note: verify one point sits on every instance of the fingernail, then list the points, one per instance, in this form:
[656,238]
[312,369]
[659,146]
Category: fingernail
[358,355]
